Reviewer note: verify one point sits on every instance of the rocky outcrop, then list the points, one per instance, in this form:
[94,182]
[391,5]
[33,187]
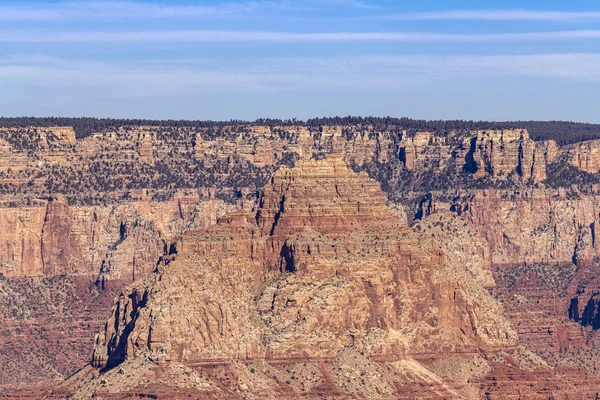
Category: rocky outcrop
[500,153]
[424,150]
[490,212]
[585,156]
[21,244]
[263,145]
[25,149]
[146,150]
[60,264]
[350,283]
[544,250]
[116,242]
[533,226]
[483,153]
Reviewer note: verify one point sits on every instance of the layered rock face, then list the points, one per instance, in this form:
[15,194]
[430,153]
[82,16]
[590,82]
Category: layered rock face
[107,181]
[59,266]
[118,242]
[52,146]
[264,145]
[533,226]
[311,223]
[496,153]
[45,326]
[585,156]
[499,153]
[543,251]
[323,288]
[100,211]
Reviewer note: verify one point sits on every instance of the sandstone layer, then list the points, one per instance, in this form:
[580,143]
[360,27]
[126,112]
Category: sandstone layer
[129,179]
[85,216]
[325,283]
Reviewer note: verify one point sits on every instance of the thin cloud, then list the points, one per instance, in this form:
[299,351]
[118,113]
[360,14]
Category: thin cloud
[580,66]
[105,10]
[296,73]
[348,4]
[495,15]
[207,36]
[118,10]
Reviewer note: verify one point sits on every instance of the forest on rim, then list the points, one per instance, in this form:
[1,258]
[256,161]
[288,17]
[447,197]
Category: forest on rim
[562,132]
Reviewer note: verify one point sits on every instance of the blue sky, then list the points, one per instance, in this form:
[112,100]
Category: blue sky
[495,60]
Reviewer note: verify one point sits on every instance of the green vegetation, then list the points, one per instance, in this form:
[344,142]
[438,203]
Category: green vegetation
[562,132]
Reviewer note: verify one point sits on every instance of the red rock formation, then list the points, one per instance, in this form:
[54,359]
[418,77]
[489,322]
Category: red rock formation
[530,237]
[55,238]
[366,293]
[63,264]
[45,327]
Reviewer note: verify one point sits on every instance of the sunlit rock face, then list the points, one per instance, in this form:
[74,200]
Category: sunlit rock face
[323,270]
[258,244]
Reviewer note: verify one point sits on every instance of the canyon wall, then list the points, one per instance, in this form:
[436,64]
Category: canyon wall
[100,212]
[78,229]
[323,272]
[115,242]
[321,291]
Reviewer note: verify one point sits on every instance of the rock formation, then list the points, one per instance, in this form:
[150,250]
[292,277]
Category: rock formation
[53,238]
[91,223]
[499,153]
[324,282]
[45,326]
[585,156]
[502,245]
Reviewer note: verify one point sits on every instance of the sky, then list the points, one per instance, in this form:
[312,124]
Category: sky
[247,59]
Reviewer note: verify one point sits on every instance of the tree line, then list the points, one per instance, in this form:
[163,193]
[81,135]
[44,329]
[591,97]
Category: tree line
[563,132]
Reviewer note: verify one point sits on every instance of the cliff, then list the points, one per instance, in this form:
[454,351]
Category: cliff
[325,271]
[584,156]
[132,183]
[45,326]
[116,242]
[486,213]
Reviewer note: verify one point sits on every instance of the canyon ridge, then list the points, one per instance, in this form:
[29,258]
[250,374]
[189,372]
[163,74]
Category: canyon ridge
[342,258]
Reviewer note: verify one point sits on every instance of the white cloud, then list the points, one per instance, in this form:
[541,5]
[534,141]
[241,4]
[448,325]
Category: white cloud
[207,36]
[579,66]
[496,15]
[467,86]
[113,10]
[347,4]
[275,74]
[103,10]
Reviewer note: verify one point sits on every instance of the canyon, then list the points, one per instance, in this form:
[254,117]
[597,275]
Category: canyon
[281,261]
